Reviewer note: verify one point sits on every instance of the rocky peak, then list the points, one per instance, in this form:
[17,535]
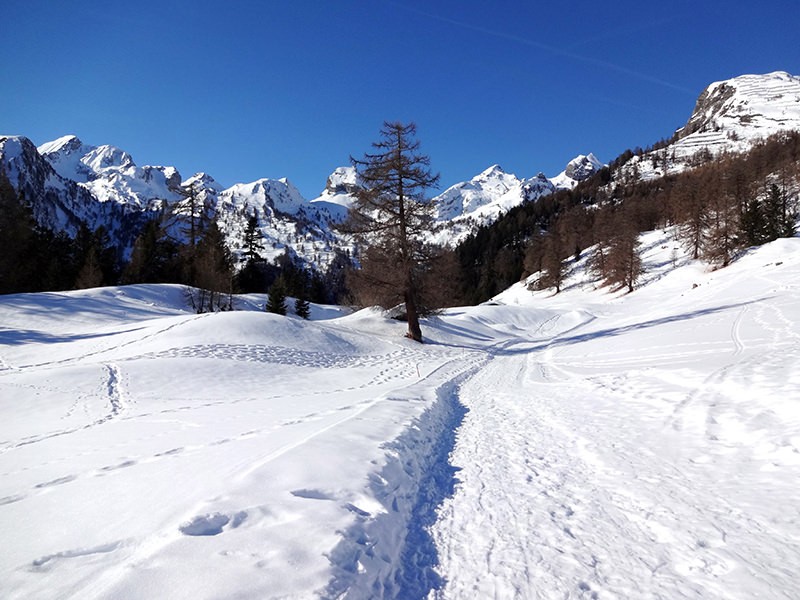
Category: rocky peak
[343,180]
[582,167]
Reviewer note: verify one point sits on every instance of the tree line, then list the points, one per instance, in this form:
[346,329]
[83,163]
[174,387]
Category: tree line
[718,208]
[181,245]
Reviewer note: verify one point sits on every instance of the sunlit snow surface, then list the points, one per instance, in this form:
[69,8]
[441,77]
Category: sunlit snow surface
[585,445]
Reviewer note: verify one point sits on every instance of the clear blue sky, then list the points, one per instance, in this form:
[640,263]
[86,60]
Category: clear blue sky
[250,89]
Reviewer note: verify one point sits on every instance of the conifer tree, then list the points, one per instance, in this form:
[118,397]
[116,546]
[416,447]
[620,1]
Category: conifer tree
[389,218]
[276,302]
[252,240]
[18,236]
[302,308]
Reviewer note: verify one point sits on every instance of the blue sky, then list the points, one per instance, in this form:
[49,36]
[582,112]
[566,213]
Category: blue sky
[249,89]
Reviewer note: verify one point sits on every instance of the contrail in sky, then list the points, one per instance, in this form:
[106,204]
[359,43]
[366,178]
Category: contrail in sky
[548,48]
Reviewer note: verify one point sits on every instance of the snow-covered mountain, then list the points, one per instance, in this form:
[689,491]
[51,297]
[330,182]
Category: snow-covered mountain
[60,202]
[70,183]
[742,110]
[464,207]
[730,116]
[578,169]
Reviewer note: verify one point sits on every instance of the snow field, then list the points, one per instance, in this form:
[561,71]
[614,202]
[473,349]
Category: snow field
[150,452]
[584,445]
[652,452]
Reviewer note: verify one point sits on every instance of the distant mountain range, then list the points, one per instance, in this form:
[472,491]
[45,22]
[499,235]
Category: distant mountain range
[68,183]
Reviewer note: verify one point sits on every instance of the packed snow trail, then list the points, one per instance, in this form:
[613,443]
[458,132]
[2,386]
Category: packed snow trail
[649,453]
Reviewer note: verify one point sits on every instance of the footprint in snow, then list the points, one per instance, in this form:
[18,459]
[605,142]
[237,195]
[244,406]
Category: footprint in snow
[212,523]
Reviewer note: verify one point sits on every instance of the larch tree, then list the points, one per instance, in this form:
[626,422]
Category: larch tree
[389,219]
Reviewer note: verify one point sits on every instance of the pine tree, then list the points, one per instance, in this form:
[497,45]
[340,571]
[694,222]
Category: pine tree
[154,258]
[302,308]
[389,218]
[252,240]
[18,235]
[277,297]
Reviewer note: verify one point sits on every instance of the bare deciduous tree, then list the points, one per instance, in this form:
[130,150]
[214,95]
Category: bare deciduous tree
[389,218]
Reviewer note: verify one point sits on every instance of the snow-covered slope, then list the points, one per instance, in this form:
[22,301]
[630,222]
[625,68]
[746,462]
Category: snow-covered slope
[286,220]
[734,113]
[730,116]
[579,445]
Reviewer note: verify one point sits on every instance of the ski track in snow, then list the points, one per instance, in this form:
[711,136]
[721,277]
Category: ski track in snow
[563,496]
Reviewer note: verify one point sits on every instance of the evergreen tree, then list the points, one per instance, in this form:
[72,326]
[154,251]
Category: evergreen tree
[302,308]
[252,240]
[773,211]
[94,259]
[752,223]
[18,233]
[276,302]
[154,258]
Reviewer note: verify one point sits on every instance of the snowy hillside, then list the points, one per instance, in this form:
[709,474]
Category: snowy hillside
[579,445]
[730,116]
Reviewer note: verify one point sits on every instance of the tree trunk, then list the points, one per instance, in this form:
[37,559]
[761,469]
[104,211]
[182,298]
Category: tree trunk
[412,314]
[414,330]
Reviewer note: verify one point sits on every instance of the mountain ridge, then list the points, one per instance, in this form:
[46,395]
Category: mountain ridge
[69,183]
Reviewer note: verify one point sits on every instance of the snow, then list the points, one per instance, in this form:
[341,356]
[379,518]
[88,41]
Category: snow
[578,169]
[464,207]
[731,116]
[589,444]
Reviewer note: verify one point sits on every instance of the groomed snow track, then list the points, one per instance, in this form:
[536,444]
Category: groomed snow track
[394,555]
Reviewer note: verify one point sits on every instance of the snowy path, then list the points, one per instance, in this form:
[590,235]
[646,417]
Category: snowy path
[619,461]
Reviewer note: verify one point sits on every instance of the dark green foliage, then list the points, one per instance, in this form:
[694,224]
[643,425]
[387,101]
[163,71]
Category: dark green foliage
[155,257]
[277,298]
[252,241]
[95,259]
[302,308]
[18,259]
[252,278]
